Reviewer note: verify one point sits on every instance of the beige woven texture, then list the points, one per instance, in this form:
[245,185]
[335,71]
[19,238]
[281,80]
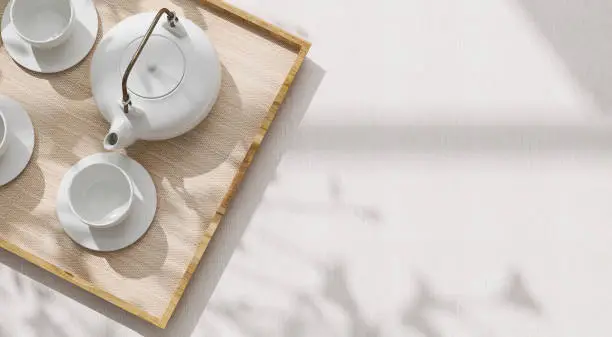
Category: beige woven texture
[192,173]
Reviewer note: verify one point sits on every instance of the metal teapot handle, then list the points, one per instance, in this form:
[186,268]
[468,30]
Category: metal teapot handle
[172,21]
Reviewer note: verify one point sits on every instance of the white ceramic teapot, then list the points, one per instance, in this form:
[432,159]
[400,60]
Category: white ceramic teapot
[156,84]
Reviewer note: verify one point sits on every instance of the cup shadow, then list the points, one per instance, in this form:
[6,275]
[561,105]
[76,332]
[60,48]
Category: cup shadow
[30,182]
[72,83]
[122,261]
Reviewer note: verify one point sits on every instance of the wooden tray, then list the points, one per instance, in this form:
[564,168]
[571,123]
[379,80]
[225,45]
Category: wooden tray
[196,175]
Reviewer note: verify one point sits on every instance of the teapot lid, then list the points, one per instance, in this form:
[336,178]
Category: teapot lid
[174,81]
[159,70]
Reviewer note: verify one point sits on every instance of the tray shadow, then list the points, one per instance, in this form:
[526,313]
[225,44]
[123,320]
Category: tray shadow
[229,233]
[227,236]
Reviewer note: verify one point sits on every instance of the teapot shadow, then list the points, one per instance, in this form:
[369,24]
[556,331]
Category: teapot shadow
[216,139]
[182,154]
[174,160]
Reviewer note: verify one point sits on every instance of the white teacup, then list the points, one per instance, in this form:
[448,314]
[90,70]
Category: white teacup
[101,195]
[43,23]
[3,134]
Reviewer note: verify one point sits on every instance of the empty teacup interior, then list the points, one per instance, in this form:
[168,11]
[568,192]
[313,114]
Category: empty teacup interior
[101,194]
[41,20]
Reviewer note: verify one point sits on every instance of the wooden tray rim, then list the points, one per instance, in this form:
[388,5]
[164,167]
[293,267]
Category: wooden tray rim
[301,47]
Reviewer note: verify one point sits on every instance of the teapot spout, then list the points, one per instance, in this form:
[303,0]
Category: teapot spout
[120,135]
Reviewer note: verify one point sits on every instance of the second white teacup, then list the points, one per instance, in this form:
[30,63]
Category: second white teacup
[43,23]
[3,134]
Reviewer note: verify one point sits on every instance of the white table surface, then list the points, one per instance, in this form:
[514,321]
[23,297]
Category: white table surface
[440,168]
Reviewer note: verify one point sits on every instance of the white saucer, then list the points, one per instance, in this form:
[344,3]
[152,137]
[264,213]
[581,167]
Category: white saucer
[20,141]
[125,233]
[61,57]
